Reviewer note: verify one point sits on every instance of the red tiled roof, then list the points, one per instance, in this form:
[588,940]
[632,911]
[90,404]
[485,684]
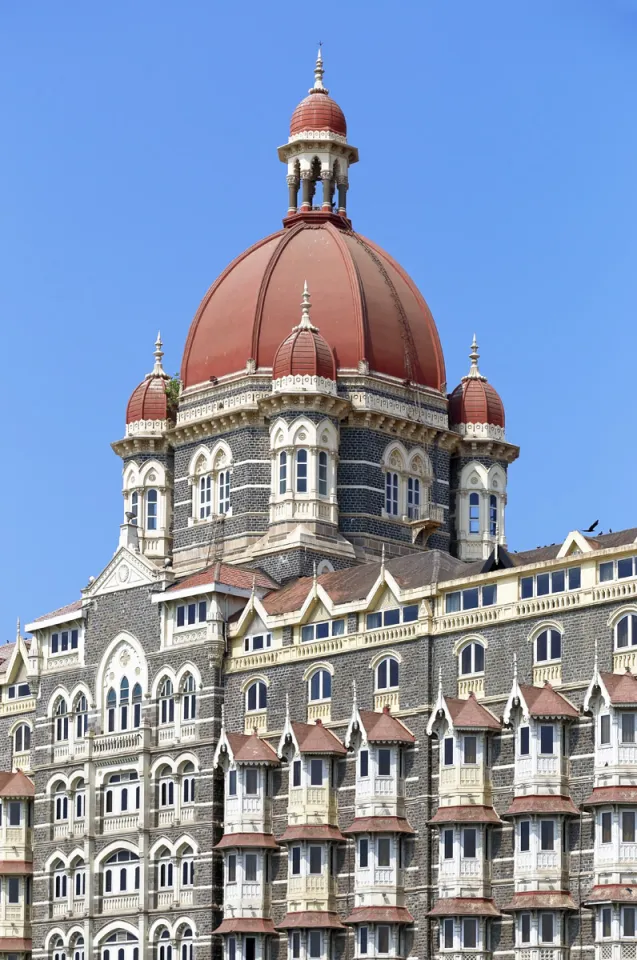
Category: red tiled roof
[602,795]
[475,401]
[16,785]
[613,893]
[310,918]
[383,728]
[465,814]
[547,702]
[380,915]
[15,944]
[541,900]
[464,907]
[315,738]
[311,831]
[261,840]
[622,687]
[542,803]
[380,825]
[149,400]
[250,748]
[246,925]
[304,352]
[468,714]
[231,576]
[69,608]
[22,868]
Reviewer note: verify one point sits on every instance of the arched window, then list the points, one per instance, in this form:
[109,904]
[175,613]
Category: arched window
[626,631]
[22,738]
[61,721]
[257,696]
[121,945]
[391,494]
[223,482]
[205,497]
[387,674]
[165,946]
[78,949]
[122,793]
[166,869]
[81,717]
[188,698]
[80,799]
[548,646]
[121,873]
[151,510]
[187,948]
[474,513]
[134,507]
[493,515]
[472,659]
[111,709]
[137,705]
[413,498]
[79,878]
[322,474]
[166,702]
[59,880]
[320,685]
[58,952]
[283,472]
[187,866]
[188,784]
[124,694]
[60,804]
[166,788]
[301,471]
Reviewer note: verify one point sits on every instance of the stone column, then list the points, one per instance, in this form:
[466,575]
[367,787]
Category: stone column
[293,190]
[326,177]
[307,192]
[342,195]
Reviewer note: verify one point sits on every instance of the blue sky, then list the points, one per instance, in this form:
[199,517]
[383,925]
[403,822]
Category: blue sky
[498,151]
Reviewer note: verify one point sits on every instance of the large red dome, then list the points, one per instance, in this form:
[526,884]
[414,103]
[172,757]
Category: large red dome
[363,302]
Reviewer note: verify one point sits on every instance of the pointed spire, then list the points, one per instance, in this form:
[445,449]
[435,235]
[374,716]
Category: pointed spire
[515,667]
[287,708]
[382,561]
[474,356]
[318,73]
[17,632]
[158,370]
[223,717]
[306,303]
[440,683]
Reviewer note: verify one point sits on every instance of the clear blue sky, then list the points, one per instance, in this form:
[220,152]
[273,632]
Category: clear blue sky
[498,151]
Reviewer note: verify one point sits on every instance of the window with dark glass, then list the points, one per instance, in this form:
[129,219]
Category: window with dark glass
[525,928]
[296,945]
[470,749]
[447,933]
[296,861]
[232,783]
[525,745]
[296,773]
[448,751]
[607,826]
[363,852]
[447,844]
[474,513]
[364,763]
[320,631]
[252,781]
[387,674]
[469,843]
[251,867]
[316,772]
[469,932]
[607,917]
[628,826]
[546,740]
[628,921]
[384,762]
[548,646]
[547,834]
[628,727]
[525,835]
[471,598]
[316,859]
[383,851]
[547,926]
[391,494]
[322,474]
[382,938]
[314,944]
[362,940]
[472,659]
[232,868]
[301,471]
[604,729]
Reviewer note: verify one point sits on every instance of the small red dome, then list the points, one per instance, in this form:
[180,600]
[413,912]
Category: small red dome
[304,352]
[148,401]
[475,401]
[318,112]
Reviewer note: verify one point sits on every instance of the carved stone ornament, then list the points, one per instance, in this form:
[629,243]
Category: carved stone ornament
[123,573]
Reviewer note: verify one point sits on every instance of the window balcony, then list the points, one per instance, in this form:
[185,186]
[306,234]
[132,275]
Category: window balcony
[132,741]
[464,783]
[378,877]
[474,869]
[16,843]
[312,805]
[319,711]
[256,721]
[468,685]
[540,774]
[314,891]
[547,673]
[122,903]
[21,761]
[247,899]
[23,705]
[615,950]
[14,917]
[541,953]
[123,823]
[70,750]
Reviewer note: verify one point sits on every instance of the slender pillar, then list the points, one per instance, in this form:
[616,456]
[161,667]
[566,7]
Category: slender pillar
[293,192]
[326,177]
[307,190]
[342,195]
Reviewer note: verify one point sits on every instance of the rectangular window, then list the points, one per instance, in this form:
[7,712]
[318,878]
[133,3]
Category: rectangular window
[251,868]
[384,762]
[296,773]
[607,826]
[362,940]
[314,944]
[546,928]
[13,886]
[470,745]
[232,783]
[410,613]
[624,568]
[54,643]
[469,843]
[448,754]
[471,598]
[363,763]
[296,861]
[316,772]
[316,859]
[296,945]
[607,917]
[526,588]
[181,619]
[628,921]
[470,932]
[15,813]
[252,781]
[525,928]
[447,933]
[391,618]
[547,834]
[606,571]
[384,851]
[574,578]
[604,729]
[525,835]
[382,942]
[489,595]
[447,844]
[374,621]
[525,743]
[363,852]
[628,826]
[250,948]
[546,740]
[628,727]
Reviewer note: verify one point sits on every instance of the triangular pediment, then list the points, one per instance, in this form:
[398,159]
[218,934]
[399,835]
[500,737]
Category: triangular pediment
[125,571]
[574,543]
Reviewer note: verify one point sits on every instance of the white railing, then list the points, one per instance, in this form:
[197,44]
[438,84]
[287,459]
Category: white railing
[319,711]
[471,775]
[550,672]
[120,904]
[188,731]
[252,804]
[251,891]
[120,824]
[627,753]
[165,817]
[79,906]
[166,734]
[468,685]
[118,743]
[256,721]
[547,860]
[165,898]
[628,851]
[470,868]
[61,830]
[60,908]
[21,761]
[391,700]
[187,814]
[9,707]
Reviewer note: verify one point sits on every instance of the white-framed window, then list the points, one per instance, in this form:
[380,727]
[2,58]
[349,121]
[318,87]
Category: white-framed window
[256,696]
[391,493]
[134,507]
[120,946]
[22,738]
[413,498]
[392,617]
[187,951]
[188,784]
[320,686]
[122,794]
[322,630]
[77,949]
[60,804]
[80,712]
[165,870]
[626,631]
[121,873]
[223,491]
[543,584]
[628,925]
[283,472]
[166,788]
[472,659]
[548,928]
[188,698]
[300,470]
[152,511]
[80,799]
[257,641]
[187,866]
[59,881]
[210,479]
[165,951]
[474,512]
[472,598]
[63,640]
[205,497]
[618,569]
[192,613]
[61,720]
[322,474]
[166,701]
[57,949]
[548,646]
[17,691]
[123,712]
[387,674]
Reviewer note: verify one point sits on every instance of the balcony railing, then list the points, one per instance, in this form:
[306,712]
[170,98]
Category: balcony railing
[122,823]
[120,904]
[130,742]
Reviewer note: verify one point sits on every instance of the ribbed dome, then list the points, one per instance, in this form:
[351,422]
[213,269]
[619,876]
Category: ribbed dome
[474,400]
[149,400]
[304,352]
[365,305]
[318,112]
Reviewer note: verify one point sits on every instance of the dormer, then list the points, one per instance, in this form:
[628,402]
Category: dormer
[379,742]
[312,752]
[463,728]
[247,763]
[539,717]
[19,682]
[612,700]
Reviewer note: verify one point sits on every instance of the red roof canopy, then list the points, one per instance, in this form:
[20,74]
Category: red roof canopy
[383,728]
[547,702]
[315,738]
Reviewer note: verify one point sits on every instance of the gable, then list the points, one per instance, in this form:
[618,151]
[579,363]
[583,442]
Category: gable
[125,571]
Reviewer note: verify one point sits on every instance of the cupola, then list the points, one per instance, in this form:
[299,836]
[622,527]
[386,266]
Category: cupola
[318,112]
[149,401]
[304,360]
[474,401]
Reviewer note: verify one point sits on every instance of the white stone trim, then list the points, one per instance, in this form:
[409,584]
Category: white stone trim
[306,384]
[479,431]
[146,427]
